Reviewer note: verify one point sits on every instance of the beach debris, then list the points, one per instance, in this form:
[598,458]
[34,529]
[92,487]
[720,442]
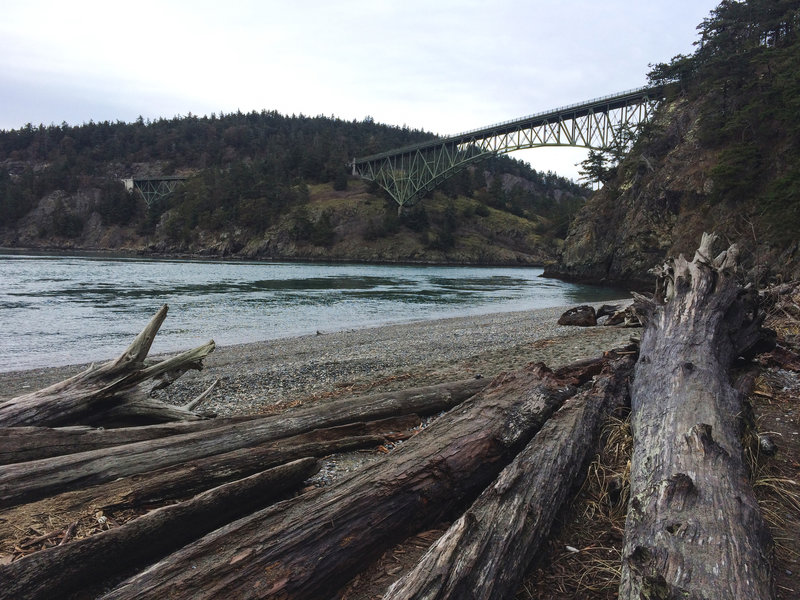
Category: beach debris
[193,404]
[608,309]
[625,317]
[454,459]
[486,552]
[26,482]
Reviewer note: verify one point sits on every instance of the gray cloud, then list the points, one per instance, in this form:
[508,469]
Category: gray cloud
[442,66]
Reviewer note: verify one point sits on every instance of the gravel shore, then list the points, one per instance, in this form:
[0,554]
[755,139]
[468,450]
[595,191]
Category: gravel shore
[268,376]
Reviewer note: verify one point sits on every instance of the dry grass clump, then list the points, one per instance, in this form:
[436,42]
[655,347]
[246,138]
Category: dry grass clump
[583,557]
[47,531]
[774,479]
[782,307]
[775,469]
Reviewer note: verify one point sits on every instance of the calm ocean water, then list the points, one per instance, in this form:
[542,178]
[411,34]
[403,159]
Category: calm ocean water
[58,310]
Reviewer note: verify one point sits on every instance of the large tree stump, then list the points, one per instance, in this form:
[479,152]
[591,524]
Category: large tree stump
[311,546]
[486,552]
[693,528]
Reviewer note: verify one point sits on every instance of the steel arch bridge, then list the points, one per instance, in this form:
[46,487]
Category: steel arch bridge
[153,188]
[410,172]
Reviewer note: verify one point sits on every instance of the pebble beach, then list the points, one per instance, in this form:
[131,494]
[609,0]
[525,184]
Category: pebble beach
[266,377]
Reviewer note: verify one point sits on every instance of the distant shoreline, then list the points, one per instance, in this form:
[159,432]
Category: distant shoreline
[188,256]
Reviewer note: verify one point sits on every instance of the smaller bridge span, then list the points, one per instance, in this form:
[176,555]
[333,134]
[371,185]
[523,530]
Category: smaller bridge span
[153,189]
[410,172]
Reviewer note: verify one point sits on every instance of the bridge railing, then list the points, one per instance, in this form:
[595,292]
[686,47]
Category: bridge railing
[618,96]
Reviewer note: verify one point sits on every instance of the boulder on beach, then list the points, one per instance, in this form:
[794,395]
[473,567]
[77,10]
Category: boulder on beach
[581,316]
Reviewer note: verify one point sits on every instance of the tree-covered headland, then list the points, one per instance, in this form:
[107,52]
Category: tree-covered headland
[267,185]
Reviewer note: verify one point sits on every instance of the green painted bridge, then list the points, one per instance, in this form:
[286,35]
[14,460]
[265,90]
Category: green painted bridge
[153,189]
[410,172]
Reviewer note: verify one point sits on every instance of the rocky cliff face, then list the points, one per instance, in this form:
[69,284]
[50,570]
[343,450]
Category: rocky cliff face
[658,205]
[721,155]
[69,222]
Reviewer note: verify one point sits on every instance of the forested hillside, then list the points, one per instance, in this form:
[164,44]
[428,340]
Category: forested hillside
[265,185]
[723,154]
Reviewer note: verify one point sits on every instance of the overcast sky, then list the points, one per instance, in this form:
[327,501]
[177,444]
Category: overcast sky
[441,65]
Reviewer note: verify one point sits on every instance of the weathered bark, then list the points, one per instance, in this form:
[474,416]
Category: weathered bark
[110,385]
[486,552]
[60,570]
[142,411]
[309,547]
[189,478]
[693,528]
[26,482]
[181,481]
[21,444]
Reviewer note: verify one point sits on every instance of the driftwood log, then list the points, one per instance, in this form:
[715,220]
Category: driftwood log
[194,476]
[114,387]
[21,444]
[61,570]
[182,480]
[693,526]
[29,481]
[486,552]
[311,546]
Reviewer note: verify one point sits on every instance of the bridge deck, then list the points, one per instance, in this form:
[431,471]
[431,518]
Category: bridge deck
[161,178]
[571,111]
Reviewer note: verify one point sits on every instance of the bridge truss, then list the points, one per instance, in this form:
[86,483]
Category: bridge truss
[409,173]
[153,189]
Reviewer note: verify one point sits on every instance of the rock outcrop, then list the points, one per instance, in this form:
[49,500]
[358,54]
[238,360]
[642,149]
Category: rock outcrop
[722,154]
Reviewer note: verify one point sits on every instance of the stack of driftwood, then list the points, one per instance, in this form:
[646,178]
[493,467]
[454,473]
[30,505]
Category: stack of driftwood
[220,508]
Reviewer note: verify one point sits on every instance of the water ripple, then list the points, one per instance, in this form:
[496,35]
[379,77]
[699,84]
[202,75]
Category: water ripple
[61,310]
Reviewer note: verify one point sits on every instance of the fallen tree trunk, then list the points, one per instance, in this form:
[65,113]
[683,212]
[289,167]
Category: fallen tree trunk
[143,411]
[693,527]
[29,481]
[22,444]
[111,385]
[185,479]
[189,478]
[311,546]
[486,552]
[61,570]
